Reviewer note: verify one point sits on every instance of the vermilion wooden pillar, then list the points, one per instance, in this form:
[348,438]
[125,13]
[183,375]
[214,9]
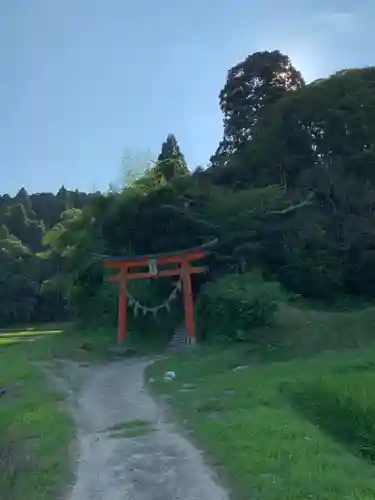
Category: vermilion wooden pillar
[188,301]
[122,311]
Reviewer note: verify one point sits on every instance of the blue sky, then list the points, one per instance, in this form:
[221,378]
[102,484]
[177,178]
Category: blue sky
[84,83]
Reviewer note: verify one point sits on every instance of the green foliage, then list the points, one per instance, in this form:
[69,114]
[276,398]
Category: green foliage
[30,232]
[253,86]
[233,306]
[309,257]
[22,198]
[290,191]
[171,162]
[322,141]
[73,243]
[328,123]
[23,267]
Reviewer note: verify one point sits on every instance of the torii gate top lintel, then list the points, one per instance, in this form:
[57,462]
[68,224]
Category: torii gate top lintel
[195,253]
[181,258]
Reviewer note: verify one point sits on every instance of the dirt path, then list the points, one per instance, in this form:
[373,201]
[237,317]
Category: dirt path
[157,464]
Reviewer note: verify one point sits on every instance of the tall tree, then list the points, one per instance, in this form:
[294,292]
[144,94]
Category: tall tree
[4,233]
[22,198]
[252,87]
[326,128]
[30,232]
[171,161]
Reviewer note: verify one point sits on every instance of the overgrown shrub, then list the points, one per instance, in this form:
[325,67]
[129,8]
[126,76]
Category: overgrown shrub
[231,307]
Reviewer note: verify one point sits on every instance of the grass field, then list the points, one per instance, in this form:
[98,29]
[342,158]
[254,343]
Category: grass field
[46,342]
[291,417]
[36,431]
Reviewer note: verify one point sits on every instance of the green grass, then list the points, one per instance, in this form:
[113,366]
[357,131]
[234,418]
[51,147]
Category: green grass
[88,344]
[305,332]
[35,428]
[129,424]
[343,406]
[65,341]
[297,421]
[135,428]
[130,429]
[270,427]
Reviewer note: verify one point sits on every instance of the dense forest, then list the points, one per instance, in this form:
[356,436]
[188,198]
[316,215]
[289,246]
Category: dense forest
[289,192]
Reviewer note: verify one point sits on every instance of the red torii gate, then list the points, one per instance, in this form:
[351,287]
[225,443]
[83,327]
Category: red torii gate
[181,266]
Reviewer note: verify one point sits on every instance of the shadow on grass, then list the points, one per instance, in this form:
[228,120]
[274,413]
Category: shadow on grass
[346,415]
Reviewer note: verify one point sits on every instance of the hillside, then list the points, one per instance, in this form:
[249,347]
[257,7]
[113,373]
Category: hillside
[24,222]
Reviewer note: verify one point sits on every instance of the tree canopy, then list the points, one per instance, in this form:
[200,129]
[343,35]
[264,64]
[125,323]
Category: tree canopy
[253,86]
[290,192]
[171,162]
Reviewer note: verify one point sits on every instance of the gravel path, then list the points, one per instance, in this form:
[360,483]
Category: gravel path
[158,464]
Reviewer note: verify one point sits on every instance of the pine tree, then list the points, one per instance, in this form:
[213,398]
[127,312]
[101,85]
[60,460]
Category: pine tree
[171,162]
